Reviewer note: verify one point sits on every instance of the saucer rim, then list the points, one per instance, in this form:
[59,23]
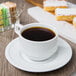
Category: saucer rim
[18,67]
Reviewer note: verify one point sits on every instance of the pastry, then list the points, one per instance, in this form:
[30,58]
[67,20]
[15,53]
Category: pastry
[51,5]
[74,21]
[65,14]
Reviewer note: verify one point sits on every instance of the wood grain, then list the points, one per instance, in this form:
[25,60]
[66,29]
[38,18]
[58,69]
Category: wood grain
[6,69]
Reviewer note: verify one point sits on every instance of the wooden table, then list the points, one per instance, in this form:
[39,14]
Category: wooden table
[6,69]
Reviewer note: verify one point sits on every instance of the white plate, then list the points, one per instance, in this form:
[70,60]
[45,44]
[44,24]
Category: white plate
[16,57]
[64,28]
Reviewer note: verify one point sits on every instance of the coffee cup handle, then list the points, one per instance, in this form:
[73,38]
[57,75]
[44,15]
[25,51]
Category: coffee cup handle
[18,27]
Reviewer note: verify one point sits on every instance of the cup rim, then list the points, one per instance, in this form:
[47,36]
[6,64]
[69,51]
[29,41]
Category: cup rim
[55,31]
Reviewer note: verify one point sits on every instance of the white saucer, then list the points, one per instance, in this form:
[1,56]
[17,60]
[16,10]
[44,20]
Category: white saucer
[58,60]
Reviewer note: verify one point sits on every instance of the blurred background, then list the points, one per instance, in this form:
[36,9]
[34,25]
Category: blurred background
[73,1]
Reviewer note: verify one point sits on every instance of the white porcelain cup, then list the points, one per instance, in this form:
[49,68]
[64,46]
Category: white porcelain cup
[37,50]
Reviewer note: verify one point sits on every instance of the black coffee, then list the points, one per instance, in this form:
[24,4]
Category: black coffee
[38,34]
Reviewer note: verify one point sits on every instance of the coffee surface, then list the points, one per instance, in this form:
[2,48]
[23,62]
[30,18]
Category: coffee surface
[38,34]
